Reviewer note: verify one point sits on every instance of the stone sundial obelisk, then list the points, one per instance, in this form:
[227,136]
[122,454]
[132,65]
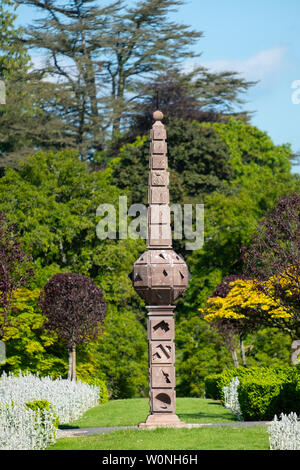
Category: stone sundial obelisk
[160,276]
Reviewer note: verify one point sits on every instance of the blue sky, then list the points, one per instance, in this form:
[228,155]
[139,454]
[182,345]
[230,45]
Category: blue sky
[260,40]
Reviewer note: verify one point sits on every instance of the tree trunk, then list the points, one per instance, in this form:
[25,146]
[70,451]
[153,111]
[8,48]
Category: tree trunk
[234,356]
[72,363]
[2,352]
[244,362]
[119,102]
[91,90]
[295,351]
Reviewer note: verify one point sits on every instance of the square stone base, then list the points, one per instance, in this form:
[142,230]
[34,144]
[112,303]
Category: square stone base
[161,420]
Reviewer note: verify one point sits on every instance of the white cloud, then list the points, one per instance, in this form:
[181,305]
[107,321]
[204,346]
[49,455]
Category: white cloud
[260,66]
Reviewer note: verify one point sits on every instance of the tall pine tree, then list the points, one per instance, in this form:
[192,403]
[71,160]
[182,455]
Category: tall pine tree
[28,119]
[99,53]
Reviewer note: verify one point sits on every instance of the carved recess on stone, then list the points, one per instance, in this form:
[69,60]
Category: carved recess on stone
[160,276]
[158,195]
[163,400]
[158,178]
[162,376]
[161,329]
[158,147]
[161,352]
[158,132]
[158,162]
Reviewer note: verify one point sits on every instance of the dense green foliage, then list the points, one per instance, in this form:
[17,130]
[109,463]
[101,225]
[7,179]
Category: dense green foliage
[263,392]
[54,198]
[263,397]
[198,161]
[214,383]
[123,355]
[28,346]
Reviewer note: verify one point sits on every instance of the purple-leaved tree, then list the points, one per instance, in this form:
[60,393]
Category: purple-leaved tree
[15,269]
[75,308]
[272,258]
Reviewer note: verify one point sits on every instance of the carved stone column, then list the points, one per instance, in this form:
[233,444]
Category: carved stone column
[161,332]
[160,276]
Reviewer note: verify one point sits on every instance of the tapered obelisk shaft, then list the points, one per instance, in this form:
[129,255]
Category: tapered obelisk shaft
[159,229]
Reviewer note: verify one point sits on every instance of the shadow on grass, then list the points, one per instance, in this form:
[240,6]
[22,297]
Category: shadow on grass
[206,417]
[67,426]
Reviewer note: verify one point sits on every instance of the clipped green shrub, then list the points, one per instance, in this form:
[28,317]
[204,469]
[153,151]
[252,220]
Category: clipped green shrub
[103,392]
[215,383]
[288,377]
[211,384]
[259,397]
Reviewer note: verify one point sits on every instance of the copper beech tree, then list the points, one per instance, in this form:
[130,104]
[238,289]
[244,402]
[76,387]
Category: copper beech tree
[74,308]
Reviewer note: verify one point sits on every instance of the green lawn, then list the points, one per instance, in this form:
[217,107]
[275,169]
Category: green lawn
[191,410]
[133,411]
[221,438]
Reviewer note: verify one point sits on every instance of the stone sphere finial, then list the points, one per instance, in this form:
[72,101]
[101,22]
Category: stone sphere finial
[158,115]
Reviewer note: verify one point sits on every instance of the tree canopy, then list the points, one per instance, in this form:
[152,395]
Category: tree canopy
[30,118]
[15,270]
[272,258]
[198,162]
[75,309]
[198,95]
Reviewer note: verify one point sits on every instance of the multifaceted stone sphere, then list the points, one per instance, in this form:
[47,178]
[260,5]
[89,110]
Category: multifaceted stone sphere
[160,276]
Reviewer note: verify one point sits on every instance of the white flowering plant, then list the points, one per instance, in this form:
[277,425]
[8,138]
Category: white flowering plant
[22,428]
[231,398]
[22,425]
[284,433]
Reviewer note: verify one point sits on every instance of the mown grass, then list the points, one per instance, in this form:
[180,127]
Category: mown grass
[190,410]
[134,411]
[220,438]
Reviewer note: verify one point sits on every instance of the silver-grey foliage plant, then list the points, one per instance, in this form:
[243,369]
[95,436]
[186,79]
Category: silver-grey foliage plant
[23,428]
[231,398]
[284,433]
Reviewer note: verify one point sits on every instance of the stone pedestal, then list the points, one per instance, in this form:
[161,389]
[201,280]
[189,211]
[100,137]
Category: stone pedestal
[162,421]
[161,358]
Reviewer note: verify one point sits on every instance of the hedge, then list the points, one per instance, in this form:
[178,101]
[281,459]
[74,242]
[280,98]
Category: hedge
[215,383]
[262,392]
[262,398]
